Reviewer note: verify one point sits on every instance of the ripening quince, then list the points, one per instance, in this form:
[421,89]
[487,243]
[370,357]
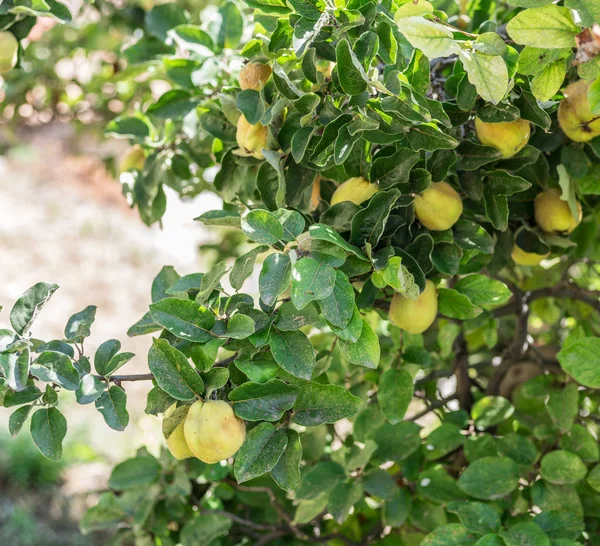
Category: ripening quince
[325,68]
[574,115]
[212,431]
[9,48]
[510,137]
[553,214]
[522,257]
[439,207]
[254,76]
[176,441]
[133,160]
[251,138]
[415,316]
[357,190]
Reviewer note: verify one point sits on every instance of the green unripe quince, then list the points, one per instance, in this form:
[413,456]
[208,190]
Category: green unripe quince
[133,160]
[251,138]
[415,316]
[212,431]
[509,137]
[553,214]
[254,76]
[357,190]
[439,207]
[176,441]
[521,257]
[575,116]
[9,48]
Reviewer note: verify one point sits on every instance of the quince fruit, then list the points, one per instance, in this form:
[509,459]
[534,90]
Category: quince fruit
[251,138]
[415,316]
[357,190]
[439,207]
[574,115]
[133,160]
[254,76]
[9,48]
[212,431]
[509,137]
[553,214]
[522,257]
[176,441]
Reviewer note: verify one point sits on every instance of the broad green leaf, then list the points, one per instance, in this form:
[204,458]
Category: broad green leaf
[453,304]
[443,440]
[161,18]
[489,478]
[136,472]
[15,368]
[525,532]
[173,372]
[327,233]
[318,404]
[311,280]
[351,73]
[184,318]
[342,498]
[55,367]
[581,442]
[293,352]
[320,478]
[240,326]
[548,27]
[366,351]
[204,529]
[263,401]
[289,318]
[27,307]
[338,307]
[231,28]
[286,472]
[48,429]
[275,277]
[490,411]
[78,326]
[260,452]
[395,393]
[431,38]
[488,73]
[244,266]
[581,360]
[547,83]
[483,290]
[17,420]
[476,517]
[192,38]
[90,389]
[262,226]
[112,404]
[563,406]
[562,467]
[452,534]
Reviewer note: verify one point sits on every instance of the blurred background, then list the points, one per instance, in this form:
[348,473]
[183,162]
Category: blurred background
[63,219]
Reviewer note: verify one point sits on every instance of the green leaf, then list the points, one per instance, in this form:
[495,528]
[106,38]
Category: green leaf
[320,478]
[548,82]
[231,28]
[581,360]
[395,393]
[55,367]
[562,467]
[490,478]
[210,281]
[112,404]
[17,420]
[289,318]
[286,472]
[453,304]
[369,223]
[338,307]
[90,389]
[311,280]
[136,472]
[184,318]
[452,534]
[293,352]
[78,326]
[275,277]
[15,368]
[431,38]
[351,73]
[366,351]
[548,27]
[581,442]
[260,452]
[593,478]
[173,372]
[443,440]
[323,232]
[489,75]
[48,429]
[490,411]
[161,18]
[192,38]
[240,326]
[318,404]
[262,226]
[27,307]
[342,498]
[225,218]
[263,401]
[563,406]
[204,529]
[525,532]
[483,290]
[589,10]
[243,266]
[175,103]
[476,517]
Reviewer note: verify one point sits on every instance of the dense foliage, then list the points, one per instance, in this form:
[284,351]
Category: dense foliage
[418,184]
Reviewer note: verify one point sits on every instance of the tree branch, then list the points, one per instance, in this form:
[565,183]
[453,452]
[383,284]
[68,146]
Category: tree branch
[461,371]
